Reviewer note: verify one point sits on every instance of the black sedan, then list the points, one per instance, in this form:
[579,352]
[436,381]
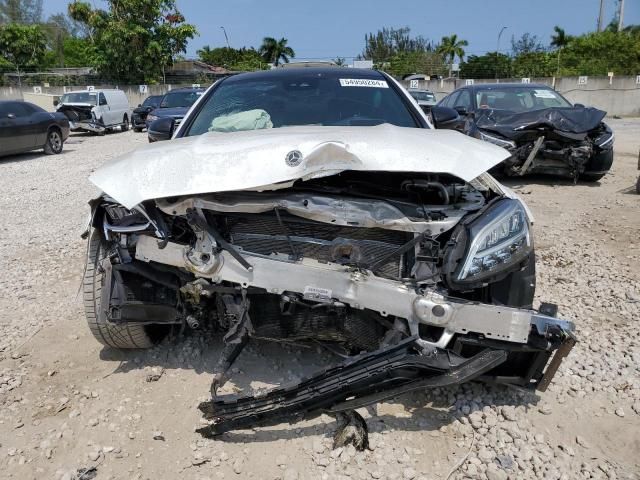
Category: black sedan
[544,132]
[175,104]
[140,113]
[25,126]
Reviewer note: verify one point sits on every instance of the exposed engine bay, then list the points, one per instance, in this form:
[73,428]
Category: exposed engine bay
[427,279]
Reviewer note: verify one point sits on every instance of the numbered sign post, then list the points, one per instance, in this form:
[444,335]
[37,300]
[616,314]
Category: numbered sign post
[414,84]
[143,89]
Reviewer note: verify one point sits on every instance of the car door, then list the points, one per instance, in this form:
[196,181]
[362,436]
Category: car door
[105,109]
[17,127]
[463,105]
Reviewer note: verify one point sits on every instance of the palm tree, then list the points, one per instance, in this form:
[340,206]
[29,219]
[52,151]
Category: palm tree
[560,40]
[273,50]
[451,48]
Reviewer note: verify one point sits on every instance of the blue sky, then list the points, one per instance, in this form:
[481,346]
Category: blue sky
[331,28]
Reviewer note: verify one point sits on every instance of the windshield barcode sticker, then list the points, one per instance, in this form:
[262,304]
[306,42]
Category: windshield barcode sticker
[363,82]
[317,292]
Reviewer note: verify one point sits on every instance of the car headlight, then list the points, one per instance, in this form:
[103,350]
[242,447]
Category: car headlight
[501,142]
[151,118]
[605,141]
[498,240]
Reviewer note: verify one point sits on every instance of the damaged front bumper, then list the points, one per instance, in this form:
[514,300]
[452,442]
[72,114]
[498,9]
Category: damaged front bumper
[467,340]
[364,380]
[87,127]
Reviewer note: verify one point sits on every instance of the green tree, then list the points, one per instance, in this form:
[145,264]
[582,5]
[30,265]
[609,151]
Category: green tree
[600,52]
[527,43]
[533,64]
[486,66]
[450,47]
[382,45]
[79,52]
[559,40]
[239,59]
[22,46]
[27,12]
[405,63]
[135,40]
[274,51]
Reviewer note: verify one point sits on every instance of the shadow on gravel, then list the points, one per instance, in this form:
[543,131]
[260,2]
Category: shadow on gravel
[33,155]
[269,364]
[540,179]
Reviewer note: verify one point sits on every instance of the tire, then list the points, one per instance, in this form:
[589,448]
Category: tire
[125,124]
[591,177]
[638,186]
[124,335]
[137,129]
[54,143]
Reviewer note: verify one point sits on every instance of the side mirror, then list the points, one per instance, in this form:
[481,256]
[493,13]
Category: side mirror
[461,110]
[161,129]
[578,105]
[444,117]
[139,105]
[56,103]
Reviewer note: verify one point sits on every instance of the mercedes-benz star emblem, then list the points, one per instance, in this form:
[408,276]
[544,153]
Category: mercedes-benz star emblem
[293,158]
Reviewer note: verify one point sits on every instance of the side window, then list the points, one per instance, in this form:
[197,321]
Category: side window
[463,100]
[103,99]
[20,109]
[449,102]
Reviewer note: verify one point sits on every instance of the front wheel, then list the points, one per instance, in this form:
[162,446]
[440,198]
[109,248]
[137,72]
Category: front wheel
[114,335]
[125,124]
[54,143]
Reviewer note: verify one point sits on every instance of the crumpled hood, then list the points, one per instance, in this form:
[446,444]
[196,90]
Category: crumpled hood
[509,124]
[272,159]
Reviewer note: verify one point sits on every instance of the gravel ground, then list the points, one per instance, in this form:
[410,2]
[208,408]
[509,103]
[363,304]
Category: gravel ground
[66,403]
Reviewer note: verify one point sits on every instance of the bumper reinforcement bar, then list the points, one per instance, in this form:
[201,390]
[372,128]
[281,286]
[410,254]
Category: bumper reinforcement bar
[360,381]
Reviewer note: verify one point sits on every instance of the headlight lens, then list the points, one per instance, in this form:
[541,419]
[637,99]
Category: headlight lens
[498,240]
[501,142]
[151,118]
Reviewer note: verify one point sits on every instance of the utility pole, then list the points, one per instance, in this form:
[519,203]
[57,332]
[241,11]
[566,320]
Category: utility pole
[225,37]
[498,50]
[621,16]
[600,15]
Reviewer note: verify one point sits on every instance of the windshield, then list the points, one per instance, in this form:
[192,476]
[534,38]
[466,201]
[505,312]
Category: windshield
[519,99]
[79,97]
[297,97]
[179,99]
[423,96]
[151,101]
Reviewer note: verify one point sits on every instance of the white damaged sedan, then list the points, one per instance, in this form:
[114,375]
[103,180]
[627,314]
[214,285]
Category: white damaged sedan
[320,205]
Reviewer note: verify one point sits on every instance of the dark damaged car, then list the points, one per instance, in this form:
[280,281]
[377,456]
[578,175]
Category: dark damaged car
[543,132]
[320,206]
